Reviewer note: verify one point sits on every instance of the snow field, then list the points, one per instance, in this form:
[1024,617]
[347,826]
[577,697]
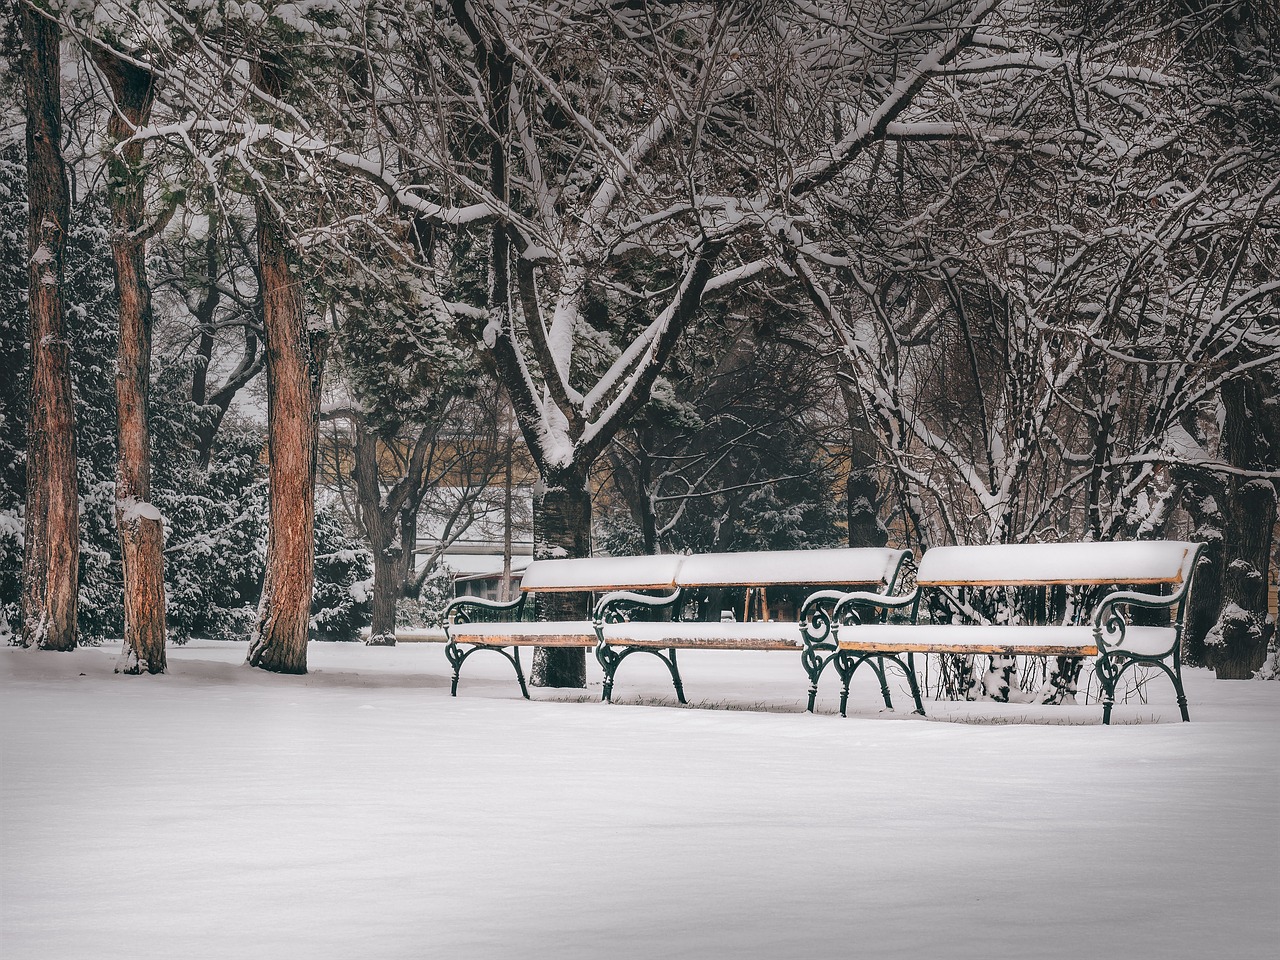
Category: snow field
[359,811]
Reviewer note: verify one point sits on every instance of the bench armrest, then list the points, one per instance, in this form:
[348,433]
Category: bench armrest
[816,615]
[456,610]
[850,605]
[614,607]
[1109,624]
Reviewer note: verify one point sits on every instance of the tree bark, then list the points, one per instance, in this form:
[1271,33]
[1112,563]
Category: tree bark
[295,363]
[1236,646]
[51,559]
[379,527]
[862,486]
[561,529]
[139,524]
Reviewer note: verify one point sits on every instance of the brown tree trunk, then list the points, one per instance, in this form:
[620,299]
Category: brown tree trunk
[51,559]
[295,363]
[139,524]
[561,528]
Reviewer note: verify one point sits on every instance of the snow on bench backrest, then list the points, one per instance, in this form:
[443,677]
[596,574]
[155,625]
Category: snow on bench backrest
[1132,562]
[602,573]
[846,566]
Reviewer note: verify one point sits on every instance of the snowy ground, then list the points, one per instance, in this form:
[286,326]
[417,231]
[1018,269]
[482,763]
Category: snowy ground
[359,812]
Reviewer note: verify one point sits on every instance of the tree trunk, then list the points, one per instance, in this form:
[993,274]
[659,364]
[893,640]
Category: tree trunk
[1204,498]
[51,559]
[378,525]
[862,486]
[561,529]
[139,523]
[295,362]
[1236,645]
[409,546]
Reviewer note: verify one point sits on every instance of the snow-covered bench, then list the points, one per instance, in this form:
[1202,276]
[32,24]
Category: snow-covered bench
[472,623]
[621,632]
[1104,629]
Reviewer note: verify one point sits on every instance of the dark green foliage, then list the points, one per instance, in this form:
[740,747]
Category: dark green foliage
[216,526]
[401,351]
[343,580]
[730,451]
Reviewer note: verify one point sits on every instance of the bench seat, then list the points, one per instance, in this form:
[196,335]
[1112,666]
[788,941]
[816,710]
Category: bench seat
[627,623]
[1120,576]
[781,635]
[474,624]
[1039,641]
[536,633]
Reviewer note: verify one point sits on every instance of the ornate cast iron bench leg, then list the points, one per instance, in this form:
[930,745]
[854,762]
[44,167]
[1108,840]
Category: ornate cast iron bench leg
[457,658]
[910,668]
[515,660]
[813,664]
[610,658]
[675,675]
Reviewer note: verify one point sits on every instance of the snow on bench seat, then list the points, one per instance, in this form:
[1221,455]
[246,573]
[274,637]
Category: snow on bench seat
[536,633]
[780,635]
[1037,564]
[415,635]
[1043,641]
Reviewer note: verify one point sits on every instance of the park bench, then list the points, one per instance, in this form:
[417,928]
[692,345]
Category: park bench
[1095,612]
[628,623]
[473,623]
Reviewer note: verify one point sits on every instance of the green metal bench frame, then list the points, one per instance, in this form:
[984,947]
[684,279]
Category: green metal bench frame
[1109,627]
[817,648]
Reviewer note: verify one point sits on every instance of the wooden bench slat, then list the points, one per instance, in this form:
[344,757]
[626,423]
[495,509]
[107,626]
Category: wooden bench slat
[999,639]
[524,633]
[773,635]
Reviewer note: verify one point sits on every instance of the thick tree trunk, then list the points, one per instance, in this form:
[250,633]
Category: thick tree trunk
[51,560]
[1228,625]
[139,523]
[295,362]
[1204,498]
[561,528]
[1236,645]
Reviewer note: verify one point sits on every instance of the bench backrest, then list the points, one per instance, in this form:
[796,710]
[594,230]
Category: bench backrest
[1030,564]
[591,574]
[852,566]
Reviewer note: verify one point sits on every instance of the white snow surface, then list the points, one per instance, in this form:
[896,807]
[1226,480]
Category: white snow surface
[358,811]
